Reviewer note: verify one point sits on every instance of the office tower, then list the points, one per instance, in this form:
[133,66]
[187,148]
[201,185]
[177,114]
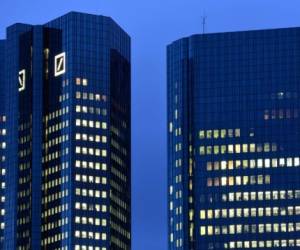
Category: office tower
[68,138]
[2,145]
[233,140]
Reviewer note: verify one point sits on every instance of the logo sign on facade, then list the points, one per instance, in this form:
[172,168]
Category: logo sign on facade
[60,64]
[22,80]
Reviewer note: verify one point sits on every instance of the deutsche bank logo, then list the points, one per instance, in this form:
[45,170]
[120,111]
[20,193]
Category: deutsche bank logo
[60,64]
[22,80]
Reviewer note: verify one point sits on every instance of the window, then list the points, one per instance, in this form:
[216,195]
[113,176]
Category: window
[202,214]
[216,134]
[208,134]
[202,134]
[252,147]
[202,150]
[223,133]
[230,149]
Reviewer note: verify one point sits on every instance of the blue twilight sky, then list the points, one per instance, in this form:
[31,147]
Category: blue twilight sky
[152,25]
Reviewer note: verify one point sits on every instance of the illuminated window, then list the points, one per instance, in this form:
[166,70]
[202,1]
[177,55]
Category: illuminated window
[216,134]
[208,134]
[238,180]
[216,165]
[202,150]
[252,147]
[267,163]
[267,147]
[223,165]
[245,164]
[223,133]
[274,163]
[231,181]
[209,166]
[230,165]
[209,150]
[202,215]
[245,180]
[78,81]
[202,134]
[223,181]
[216,150]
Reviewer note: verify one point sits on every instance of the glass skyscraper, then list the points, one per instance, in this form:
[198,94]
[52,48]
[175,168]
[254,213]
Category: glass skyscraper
[66,135]
[234,140]
[2,145]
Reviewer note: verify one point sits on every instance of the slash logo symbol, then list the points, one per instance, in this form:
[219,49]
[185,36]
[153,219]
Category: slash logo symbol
[22,80]
[60,64]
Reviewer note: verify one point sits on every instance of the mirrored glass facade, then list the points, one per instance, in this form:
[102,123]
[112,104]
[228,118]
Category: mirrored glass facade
[233,140]
[69,135]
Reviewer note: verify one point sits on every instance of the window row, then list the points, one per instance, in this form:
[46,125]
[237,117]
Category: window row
[91,165]
[55,210]
[90,96]
[56,114]
[91,151]
[90,207]
[237,148]
[81,81]
[57,127]
[63,97]
[263,244]
[90,235]
[55,238]
[91,137]
[261,195]
[250,228]
[90,193]
[281,114]
[248,212]
[24,126]
[25,152]
[253,163]
[238,180]
[54,224]
[49,170]
[90,124]
[91,179]
[56,196]
[219,133]
[55,182]
[90,110]
[90,221]
[56,141]
[87,247]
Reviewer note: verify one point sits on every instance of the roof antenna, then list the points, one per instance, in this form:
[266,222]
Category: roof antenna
[204,17]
